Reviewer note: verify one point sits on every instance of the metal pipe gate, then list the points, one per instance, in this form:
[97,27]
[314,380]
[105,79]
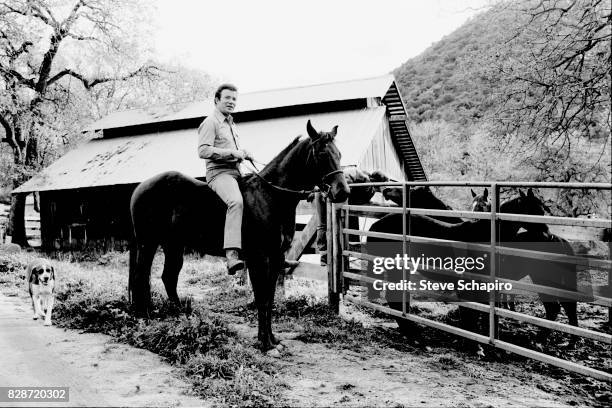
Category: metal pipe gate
[339,254]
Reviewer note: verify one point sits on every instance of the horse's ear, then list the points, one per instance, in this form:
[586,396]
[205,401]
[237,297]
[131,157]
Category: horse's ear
[521,193]
[486,193]
[314,135]
[473,193]
[530,193]
[334,131]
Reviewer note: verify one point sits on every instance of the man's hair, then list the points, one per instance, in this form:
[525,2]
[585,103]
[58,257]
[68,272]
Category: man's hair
[221,87]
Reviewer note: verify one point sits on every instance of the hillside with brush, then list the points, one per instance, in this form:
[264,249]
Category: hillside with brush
[438,84]
[520,92]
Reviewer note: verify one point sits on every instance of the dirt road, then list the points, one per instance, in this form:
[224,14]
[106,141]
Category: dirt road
[98,371]
[320,376]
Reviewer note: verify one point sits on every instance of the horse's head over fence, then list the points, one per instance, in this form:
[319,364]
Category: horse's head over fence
[419,197]
[480,202]
[393,194]
[379,176]
[527,204]
[324,163]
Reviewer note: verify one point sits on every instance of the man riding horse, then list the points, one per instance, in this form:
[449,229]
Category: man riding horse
[173,210]
[218,146]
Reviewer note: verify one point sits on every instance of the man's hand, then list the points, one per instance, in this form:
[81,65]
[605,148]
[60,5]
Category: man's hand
[239,154]
[242,154]
[247,155]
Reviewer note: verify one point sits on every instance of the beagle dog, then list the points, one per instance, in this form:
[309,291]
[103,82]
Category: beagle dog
[40,275]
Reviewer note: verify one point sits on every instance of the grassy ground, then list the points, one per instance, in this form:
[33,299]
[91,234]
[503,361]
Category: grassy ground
[213,342]
[223,366]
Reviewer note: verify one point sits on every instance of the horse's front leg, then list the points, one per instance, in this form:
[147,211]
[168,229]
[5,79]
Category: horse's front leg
[259,272]
[275,264]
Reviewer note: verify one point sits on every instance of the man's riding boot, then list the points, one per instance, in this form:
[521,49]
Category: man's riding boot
[234,264]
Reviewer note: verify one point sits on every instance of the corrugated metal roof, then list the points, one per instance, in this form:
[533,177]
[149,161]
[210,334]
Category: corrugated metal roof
[253,101]
[132,159]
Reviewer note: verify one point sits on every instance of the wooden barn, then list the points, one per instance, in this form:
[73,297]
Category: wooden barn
[84,195]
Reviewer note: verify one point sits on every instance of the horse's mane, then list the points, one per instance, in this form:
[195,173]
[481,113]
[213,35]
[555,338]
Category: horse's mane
[513,206]
[280,156]
[425,191]
[510,205]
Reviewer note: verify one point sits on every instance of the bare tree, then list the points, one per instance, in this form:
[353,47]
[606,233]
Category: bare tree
[554,69]
[550,77]
[44,46]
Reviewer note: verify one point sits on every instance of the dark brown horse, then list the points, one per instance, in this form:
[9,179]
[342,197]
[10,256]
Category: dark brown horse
[419,197]
[555,274]
[561,275]
[467,231]
[173,210]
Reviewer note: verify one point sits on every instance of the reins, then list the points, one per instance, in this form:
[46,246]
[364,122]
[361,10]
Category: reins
[302,193]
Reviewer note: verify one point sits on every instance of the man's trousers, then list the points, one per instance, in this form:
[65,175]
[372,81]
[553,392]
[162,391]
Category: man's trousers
[226,187]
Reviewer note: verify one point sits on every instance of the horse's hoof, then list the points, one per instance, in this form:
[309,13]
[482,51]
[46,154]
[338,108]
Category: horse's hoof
[273,353]
[141,312]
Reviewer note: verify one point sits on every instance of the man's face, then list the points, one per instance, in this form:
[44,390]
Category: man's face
[227,102]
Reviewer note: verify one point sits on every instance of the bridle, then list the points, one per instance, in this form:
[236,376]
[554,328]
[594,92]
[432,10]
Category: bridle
[327,187]
[324,187]
[481,205]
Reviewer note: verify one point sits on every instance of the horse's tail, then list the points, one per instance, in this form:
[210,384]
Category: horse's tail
[133,247]
[132,270]
[142,251]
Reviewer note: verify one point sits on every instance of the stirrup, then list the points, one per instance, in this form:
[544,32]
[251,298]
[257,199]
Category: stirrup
[234,265]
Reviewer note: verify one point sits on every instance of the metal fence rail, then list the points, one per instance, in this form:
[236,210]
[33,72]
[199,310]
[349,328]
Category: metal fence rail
[593,298]
[339,265]
[526,253]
